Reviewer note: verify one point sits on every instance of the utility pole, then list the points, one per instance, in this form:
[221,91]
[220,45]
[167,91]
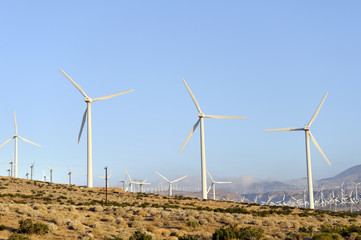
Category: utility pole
[106,186]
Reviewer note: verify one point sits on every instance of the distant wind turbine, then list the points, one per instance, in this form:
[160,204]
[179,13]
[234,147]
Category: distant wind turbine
[130,181]
[44,176]
[87,116]
[69,175]
[106,179]
[213,185]
[308,134]
[170,182]
[51,173]
[200,121]
[15,137]
[27,173]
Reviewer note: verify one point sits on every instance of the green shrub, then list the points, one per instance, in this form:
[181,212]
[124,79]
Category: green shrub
[245,233]
[17,236]
[2,227]
[116,238]
[322,236]
[27,226]
[140,236]
[193,224]
[306,229]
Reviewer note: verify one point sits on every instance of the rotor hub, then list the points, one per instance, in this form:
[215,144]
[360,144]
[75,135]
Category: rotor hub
[88,99]
[201,115]
[306,128]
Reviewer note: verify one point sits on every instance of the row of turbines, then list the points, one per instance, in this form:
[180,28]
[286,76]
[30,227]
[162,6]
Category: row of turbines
[337,198]
[200,122]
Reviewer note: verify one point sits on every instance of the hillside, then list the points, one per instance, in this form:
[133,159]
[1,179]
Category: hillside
[74,212]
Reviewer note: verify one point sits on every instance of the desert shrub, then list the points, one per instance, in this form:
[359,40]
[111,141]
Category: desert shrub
[2,227]
[322,236]
[115,238]
[192,224]
[17,236]
[188,237]
[306,229]
[243,233]
[343,230]
[27,226]
[140,236]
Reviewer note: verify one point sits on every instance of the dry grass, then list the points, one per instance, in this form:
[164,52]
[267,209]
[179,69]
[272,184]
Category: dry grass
[73,212]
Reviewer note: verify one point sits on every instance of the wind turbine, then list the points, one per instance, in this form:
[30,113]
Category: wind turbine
[87,116]
[44,176]
[170,182]
[51,173]
[11,167]
[213,185]
[308,134]
[106,179]
[130,181]
[69,175]
[32,171]
[27,173]
[200,121]
[141,184]
[15,137]
[123,181]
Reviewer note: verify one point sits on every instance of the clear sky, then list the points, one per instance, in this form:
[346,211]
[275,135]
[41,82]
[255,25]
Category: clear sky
[270,61]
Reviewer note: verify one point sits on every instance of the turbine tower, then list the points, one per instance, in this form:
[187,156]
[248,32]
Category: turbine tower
[200,121]
[213,185]
[308,134]
[15,137]
[170,182]
[51,173]
[69,175]
[87,116]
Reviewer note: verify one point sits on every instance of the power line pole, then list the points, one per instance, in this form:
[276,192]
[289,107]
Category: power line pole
[106,186]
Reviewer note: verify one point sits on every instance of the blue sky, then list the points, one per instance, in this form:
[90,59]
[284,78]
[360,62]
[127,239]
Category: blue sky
[270,61]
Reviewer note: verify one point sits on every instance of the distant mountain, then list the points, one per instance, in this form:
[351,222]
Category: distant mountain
[353,173]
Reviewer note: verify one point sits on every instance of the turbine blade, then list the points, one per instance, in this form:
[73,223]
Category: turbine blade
[194,99]
[317,110]
[318,147]
[6,142]
[222,182]
[210,176]
[179,179]
[110,175]
[223,117]
[82,124]
[74,83]
[111,96]
[16,125]
[208,189]
[190,134]
[162,176]
[284,129]
[29,141]
[127,174]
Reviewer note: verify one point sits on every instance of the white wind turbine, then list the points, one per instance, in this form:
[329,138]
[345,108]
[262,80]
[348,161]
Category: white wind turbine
[69,175]
[308,134]
[15,137]
[141,184]
[51,173]
[44,176]
[170,182]
[130,182]
[27,173]
[87,116]
[107,179]
[213,185]
[200,121]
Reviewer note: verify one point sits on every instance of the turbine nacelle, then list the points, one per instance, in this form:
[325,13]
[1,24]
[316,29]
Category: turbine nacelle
[88,99]
[306,128]
[201,115]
